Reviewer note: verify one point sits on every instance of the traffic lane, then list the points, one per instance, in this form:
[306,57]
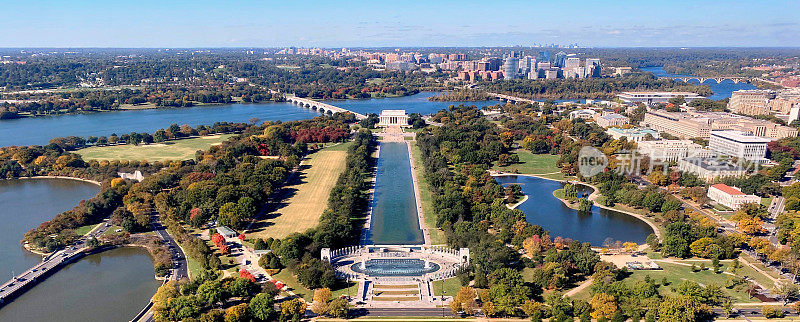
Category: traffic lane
[405,312]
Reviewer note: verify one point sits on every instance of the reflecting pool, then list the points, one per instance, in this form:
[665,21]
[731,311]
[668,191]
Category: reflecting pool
[394,209]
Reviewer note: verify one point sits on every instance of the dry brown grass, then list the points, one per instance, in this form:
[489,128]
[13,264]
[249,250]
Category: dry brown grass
[307,195]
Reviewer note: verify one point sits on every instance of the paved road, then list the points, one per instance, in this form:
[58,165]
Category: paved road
[50,262]
[408,312]
[180,269]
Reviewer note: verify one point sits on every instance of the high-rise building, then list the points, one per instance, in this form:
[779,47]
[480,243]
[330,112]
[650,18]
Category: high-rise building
[544,65]
[526,64]
[572,62]
[510,66]
[544,56]
[560,59]
[592,67]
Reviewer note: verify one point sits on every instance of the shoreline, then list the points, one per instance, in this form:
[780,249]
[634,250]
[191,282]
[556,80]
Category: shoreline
[592,197]
[518,203]
[58,177]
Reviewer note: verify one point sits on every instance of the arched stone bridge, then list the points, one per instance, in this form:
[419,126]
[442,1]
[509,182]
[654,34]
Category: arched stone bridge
[509,98]
[321,107]
[735,80]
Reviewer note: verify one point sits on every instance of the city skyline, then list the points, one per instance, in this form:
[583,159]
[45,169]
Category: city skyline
[88,23]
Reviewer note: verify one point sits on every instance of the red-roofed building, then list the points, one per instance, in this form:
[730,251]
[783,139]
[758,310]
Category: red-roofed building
[730,197]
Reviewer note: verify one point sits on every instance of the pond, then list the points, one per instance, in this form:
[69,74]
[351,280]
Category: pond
[598,227]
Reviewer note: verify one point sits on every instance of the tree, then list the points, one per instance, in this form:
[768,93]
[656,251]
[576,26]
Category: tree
[652,242]
[464,301]
[262,306]
[488,309]
[680,309]
[230,215]
[293,309]
[339,308]
[321,298]
[701,247]
[210,292]
[163,294]
[237,313]
[603,305]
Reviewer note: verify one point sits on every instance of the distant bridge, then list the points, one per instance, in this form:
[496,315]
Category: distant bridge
[510,99]
[735,80]
[321,107]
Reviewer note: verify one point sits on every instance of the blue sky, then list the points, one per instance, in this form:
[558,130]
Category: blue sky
[359,23]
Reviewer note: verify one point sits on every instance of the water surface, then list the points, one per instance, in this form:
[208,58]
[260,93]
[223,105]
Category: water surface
[24,205]
[417,103]
[110,286]
[39,130]
[598,227]
[394,208]
[721,90]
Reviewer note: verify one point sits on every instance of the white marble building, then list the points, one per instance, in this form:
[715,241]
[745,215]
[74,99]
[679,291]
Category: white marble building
[393,118]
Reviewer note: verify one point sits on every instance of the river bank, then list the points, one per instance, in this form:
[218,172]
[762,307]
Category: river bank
[98,183]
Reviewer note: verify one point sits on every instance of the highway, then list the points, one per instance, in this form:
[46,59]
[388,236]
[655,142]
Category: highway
[40,271]
[180,269]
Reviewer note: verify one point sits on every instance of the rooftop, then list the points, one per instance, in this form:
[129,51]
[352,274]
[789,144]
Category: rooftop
[739,136]
[613,116]
[728,189]
[633,131]
[712,164]
[393,112]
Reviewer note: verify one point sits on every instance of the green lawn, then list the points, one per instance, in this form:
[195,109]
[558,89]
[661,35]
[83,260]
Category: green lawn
[112,230]
[676,274]
[170,150]
[538,164]
[766,201]
[437,236]
[350,290]
[285,276]
[449,286]
[83,230]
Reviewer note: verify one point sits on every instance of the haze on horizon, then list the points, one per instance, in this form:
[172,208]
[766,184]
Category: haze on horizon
[361,23]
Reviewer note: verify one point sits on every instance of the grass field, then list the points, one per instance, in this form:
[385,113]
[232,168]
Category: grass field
[676,274]
[306,197]
[538,164]
[448,287]
[171,150]
[286,277]
[437,236]
[83,230]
